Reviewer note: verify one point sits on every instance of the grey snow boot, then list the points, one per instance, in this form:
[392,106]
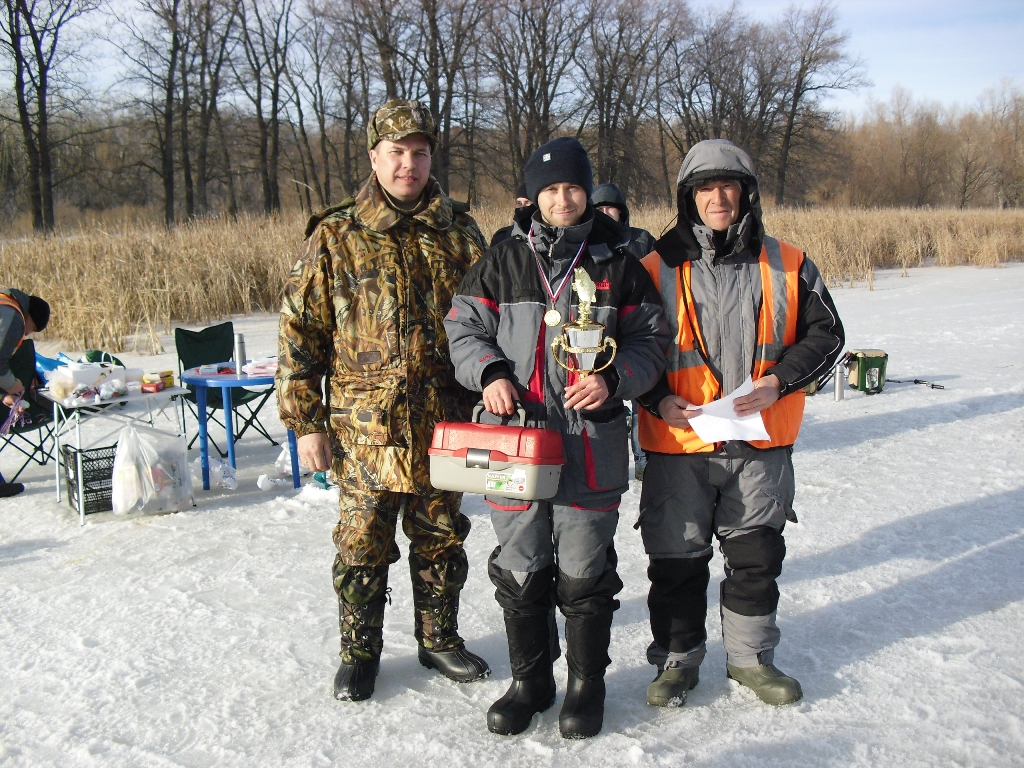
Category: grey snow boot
[770,684]
[670,687]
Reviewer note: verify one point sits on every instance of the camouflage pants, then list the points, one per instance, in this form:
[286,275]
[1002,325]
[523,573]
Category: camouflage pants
[365,538]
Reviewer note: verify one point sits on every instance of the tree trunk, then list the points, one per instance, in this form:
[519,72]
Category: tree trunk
[229,173]
[25,119]
[186,154]
[787,138]
[167,158]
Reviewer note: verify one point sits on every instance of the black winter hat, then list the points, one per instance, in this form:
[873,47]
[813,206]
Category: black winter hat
[521,190]
[39,311]
[558,161]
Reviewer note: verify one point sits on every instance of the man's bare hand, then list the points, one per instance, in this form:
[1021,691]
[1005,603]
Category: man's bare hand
[13,393]
[766,392]
[677,412]
[315,451]
[589,392]
[500,397]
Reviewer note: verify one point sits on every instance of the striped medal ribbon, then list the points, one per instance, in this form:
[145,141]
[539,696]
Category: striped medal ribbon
[553,317]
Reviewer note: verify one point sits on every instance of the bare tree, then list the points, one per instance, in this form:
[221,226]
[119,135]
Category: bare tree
[529,48]
[389,30]
[151,48]
[819,64]
[35,40]
[213,25]
[448,31]
[703,72]
[267,33]
[969,163]
[618,68]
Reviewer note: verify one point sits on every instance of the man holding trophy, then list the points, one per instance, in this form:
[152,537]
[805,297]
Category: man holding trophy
[562,321]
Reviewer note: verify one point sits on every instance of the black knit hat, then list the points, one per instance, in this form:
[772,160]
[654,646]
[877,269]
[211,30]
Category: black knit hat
[559,161]
[521,190]
[39,311]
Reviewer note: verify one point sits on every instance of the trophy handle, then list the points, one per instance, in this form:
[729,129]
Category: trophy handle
[561,342]
[608,341]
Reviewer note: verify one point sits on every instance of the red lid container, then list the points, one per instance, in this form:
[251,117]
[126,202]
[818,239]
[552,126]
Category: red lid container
[523,445]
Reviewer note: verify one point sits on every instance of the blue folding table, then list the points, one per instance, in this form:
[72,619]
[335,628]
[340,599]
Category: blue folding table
[225,382]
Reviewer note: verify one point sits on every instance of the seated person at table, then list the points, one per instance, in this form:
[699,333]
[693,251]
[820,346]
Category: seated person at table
[20,315]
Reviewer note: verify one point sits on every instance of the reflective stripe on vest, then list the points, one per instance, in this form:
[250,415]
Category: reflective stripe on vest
[691,378]
[6,300]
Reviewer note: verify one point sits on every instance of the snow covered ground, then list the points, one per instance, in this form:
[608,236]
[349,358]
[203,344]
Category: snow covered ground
[209,637]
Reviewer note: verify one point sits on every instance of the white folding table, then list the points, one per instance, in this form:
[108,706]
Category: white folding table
[68,420]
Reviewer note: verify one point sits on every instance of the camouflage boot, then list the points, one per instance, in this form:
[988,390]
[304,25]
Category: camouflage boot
[435,595]
[362,592]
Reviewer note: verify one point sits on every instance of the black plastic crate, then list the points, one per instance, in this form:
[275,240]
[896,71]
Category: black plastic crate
[96,481]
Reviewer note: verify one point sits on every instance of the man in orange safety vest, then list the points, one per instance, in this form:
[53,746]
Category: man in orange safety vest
[739,303]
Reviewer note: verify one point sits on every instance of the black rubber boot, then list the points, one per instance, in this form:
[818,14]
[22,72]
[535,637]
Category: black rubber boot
[456,664]
[586,640]
[582,712]
[355,682]
[435,594]
[362,596]
[533,684]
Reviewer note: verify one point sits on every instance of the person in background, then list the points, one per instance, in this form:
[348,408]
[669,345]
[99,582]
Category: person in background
[522,201]
[365,307]
[609,199]
[509,309]
[740,304]
[20,315]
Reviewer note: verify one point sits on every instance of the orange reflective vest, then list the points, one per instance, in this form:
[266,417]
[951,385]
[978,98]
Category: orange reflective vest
[691,378]
[6,300]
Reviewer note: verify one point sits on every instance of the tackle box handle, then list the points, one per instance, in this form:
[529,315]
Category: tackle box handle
[520,412]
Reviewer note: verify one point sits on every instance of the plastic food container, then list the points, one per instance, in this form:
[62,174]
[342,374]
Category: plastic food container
[518,462]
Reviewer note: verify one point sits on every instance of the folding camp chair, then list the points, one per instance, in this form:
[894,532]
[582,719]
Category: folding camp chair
[34,439]
[207,347]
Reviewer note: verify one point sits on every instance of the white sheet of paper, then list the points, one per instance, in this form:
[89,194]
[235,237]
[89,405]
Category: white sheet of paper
[718,421]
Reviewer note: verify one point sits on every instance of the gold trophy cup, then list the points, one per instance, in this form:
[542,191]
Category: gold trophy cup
[583,338]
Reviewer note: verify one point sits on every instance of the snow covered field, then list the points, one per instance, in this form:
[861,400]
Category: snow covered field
[209,637]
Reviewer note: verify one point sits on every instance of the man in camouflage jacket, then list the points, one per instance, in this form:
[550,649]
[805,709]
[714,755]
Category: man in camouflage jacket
[365,307]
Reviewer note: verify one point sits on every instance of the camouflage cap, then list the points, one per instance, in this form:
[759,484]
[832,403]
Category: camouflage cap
[399,118]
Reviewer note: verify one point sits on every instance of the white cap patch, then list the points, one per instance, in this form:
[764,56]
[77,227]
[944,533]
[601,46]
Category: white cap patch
[546,157]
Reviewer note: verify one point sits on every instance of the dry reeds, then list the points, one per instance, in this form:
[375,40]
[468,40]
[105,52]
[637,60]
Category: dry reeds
[105,287]
[130,283]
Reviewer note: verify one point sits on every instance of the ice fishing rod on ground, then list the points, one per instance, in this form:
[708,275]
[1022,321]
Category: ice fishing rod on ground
[929,384]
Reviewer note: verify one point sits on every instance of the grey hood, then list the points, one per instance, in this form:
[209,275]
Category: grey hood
[717,159]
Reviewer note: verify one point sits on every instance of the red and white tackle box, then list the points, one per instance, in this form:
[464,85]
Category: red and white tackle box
[520,462]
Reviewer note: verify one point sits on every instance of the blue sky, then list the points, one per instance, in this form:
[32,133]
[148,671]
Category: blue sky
[949,51]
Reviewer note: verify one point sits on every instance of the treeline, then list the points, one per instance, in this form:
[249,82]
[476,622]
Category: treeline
[229,106]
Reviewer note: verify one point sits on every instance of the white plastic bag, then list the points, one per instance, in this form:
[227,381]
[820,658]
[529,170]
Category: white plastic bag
[221,475]
[132,483]
[150,473]
[283,465]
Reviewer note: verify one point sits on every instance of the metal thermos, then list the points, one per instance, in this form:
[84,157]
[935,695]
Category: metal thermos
[239,352]
[840,381]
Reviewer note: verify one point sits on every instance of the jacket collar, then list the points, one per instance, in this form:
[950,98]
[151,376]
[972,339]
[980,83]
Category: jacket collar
[604,235]
[373,211]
